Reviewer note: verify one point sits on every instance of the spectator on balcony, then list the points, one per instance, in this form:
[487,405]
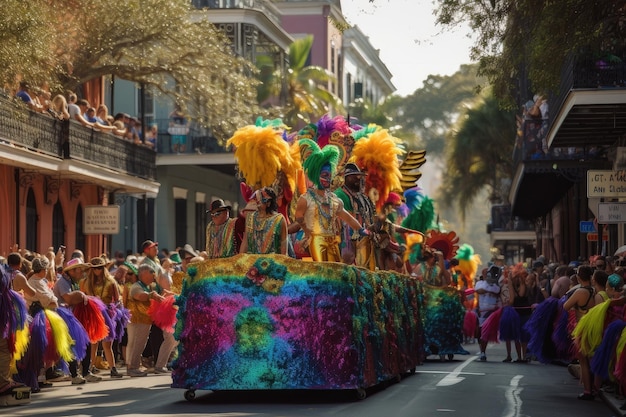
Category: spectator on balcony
[178,129]
[23,94]
[77,108]
[151,137]
[90,115]
[134,130]
[58,108]
[102,115]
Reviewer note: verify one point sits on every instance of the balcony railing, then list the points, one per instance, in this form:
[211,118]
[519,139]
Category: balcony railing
[263,6]
[503,221]
[197,141]
[69,140]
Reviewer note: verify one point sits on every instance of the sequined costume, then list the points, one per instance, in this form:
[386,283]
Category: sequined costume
[220,240]
[362,208]
[264,233]
[321,220]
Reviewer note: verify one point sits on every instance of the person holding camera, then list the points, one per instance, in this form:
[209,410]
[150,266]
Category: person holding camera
[432,270]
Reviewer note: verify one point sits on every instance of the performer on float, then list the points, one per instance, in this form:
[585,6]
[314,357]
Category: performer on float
[221,239]
[318,209]
[266,228]
[359,205]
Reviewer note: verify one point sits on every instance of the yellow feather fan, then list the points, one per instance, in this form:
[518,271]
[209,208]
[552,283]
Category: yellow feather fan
[377,154]
[261,153]
[22,337]
[62,338]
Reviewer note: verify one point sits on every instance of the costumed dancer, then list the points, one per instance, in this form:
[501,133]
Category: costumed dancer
[515,315]
[577,305]
[318,209]
[265,158]
[13,341]
[50,339]
[100,284]
[356,202]
[590,330]
[266,229]
[487,309]
[467,266]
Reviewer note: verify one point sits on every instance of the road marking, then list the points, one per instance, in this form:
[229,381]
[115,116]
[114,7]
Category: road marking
[512,397]
[447,372]
[453,377]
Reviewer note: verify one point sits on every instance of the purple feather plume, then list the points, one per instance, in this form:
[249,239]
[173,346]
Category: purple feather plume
[77,332]
[539,326]
[510,328]
[601,359]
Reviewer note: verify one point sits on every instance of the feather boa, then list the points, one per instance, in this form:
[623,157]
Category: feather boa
[77,333]
[605,354]
[92,319]
[163,313]
[378,156]
[588,332]
[540,327]
[491,326]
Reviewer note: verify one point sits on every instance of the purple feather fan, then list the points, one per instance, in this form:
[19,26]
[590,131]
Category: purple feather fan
[77,332]
[33,358]
[601,359]
[510,327]
[539,326]
[121,317]
[560,336]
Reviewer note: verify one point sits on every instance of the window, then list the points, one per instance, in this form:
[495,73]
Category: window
[58,225]
[180,216]
[31,220]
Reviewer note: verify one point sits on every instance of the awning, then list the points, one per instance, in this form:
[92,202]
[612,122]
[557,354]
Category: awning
[540,184]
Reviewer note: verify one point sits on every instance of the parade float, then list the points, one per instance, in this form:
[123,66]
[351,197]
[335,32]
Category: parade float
[269,322]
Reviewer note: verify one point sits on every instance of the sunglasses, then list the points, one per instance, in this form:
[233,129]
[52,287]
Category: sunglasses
[217,213]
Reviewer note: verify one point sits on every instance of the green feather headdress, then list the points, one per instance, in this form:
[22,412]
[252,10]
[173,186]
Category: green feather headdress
[315,158]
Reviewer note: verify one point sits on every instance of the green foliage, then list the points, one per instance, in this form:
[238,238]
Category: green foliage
[479,155]
[303,91]
[532,38]
[163,44]
[431,110]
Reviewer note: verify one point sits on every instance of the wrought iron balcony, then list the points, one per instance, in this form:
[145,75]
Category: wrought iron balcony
[198,140]
[502,220]
[264,6]
[42,133]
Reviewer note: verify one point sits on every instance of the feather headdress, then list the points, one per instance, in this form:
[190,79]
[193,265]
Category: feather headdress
[468,262]
[262,151]
[327,126]
[421,218]
[378,154]
[314,159]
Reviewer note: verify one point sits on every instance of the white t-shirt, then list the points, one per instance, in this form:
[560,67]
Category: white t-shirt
[487,301]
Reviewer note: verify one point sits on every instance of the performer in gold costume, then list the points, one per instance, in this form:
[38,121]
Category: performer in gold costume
[319,209]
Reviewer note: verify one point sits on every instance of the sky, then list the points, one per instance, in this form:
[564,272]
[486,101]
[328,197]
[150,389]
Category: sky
[411,45]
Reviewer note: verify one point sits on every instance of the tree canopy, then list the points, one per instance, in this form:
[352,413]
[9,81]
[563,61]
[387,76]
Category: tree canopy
[161,44]
[518,39]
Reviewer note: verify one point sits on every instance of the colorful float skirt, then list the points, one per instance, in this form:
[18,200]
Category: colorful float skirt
[259,322]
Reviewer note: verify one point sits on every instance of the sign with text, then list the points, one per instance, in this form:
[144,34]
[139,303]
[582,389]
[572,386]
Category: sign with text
[101,220]
[606,184]
[587,227]
[609,213]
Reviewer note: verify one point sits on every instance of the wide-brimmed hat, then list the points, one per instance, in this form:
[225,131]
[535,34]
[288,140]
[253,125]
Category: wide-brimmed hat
[218,205]
[148,244]
[97,262]
[131,259]
[352,169]
[75,263]
[187,249]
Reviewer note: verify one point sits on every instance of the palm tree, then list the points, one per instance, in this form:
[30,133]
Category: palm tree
[479,155]
[302,93]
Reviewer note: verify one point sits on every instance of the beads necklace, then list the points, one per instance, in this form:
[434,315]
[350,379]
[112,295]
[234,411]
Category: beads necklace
[324,208]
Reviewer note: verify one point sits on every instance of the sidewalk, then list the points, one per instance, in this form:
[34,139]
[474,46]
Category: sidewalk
[615,402]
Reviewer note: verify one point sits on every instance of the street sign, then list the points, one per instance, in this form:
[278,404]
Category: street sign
[101,220]
[593,237]
[609,213]
[587,227]
[606,183]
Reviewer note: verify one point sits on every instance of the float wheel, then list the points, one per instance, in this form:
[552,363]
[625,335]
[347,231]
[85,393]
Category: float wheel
[190,395]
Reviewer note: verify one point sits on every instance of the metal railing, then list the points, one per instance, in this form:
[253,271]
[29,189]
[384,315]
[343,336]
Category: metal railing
[263,6]
[198,139]
[69,140]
